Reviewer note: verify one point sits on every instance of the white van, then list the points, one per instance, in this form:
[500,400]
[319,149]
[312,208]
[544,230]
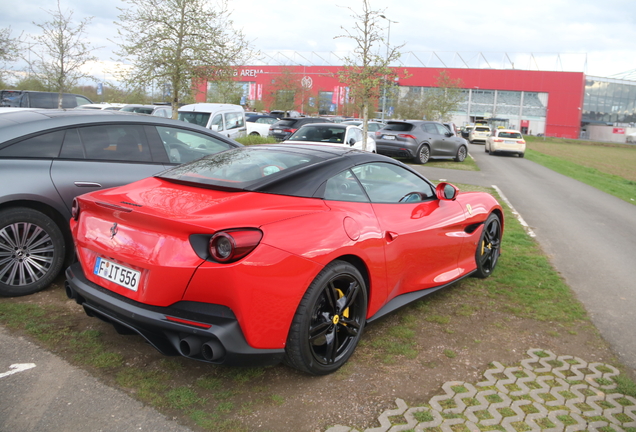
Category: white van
[226,119]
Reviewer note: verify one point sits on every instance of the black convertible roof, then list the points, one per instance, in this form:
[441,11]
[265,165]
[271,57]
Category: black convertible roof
[303,180]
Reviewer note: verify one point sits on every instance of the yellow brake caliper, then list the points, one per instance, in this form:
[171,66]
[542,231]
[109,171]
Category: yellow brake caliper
[345,313]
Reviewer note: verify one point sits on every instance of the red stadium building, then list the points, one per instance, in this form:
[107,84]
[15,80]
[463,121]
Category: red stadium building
[536,102]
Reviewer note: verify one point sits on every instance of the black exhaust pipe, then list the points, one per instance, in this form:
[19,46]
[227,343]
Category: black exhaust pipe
[70,292]
[190,346]
[212,350]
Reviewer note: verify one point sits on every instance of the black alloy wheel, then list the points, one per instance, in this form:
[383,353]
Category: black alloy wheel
[32,251]
[461,154]
[489,247]
[423,154]
[329,321]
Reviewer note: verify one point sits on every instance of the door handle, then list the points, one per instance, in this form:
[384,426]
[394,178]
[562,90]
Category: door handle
[87,184]
[390,236]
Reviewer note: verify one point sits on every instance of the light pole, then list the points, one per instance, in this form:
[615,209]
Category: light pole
[388,37]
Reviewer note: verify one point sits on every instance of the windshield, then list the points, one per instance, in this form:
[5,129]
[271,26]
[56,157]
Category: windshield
[197,118]
[322,133]
[239,167]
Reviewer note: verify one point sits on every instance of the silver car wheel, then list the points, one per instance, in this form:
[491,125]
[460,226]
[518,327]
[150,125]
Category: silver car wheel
[32,251]
[26,254]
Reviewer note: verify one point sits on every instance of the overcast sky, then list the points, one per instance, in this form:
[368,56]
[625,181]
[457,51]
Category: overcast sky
[591,36]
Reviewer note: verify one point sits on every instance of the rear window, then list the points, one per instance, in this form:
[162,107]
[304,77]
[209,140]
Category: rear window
[399,127]
[482,129]
[515,135]
[238,168]
[285,123]
[197,118]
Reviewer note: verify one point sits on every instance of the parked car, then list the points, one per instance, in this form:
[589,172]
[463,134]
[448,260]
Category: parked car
[40,99]
[372,126]
[451,127]
[420,140]
[47,157]
[631,138]
[259,124]
[338,134]
[282,113]
[274,252]
[154,110]
[465,130]
[479,134]
[506,141]
[226,119]
[282,129]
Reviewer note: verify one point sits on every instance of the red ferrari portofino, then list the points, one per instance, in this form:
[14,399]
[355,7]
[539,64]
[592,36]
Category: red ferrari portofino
[273,253]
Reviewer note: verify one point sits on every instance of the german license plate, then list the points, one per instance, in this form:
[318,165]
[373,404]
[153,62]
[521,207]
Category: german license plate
[117,273]
[389,137]
[277,131]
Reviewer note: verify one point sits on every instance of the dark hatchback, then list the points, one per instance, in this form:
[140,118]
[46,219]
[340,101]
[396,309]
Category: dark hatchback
[282,129]
[48,157]
[420,140]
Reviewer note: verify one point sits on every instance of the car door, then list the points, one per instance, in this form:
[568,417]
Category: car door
[102,156]
[234,124]
[421,233]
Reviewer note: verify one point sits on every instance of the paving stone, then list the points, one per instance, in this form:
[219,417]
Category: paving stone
[562,370]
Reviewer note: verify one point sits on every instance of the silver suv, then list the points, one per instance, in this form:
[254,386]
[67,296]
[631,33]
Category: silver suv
[48,157]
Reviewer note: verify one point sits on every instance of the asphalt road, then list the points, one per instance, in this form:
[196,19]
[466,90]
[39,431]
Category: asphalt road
[590,237]
[40,392]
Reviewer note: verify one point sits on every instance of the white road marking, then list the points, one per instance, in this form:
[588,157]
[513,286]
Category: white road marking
[514,212]
[17,368]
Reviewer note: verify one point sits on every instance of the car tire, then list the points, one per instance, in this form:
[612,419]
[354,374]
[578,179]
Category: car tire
[326,329]
[255,134]
[462,151]
[32,251]
[423,154]
[521,155]
[488,247]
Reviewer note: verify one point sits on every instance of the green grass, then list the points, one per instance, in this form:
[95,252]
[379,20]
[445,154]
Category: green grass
[252,140]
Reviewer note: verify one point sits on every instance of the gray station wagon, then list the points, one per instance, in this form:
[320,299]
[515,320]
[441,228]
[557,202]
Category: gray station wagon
[48,157]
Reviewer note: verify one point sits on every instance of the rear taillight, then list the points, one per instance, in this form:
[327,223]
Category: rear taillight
[406,136]
[232,245]
[290,130]
[75,209]
[521,142]
[498,140]
[378,133]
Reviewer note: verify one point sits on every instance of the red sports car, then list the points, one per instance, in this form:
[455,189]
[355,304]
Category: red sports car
[280,252]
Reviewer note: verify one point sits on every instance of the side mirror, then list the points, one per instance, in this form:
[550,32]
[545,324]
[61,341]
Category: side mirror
[215,128]
[446,191]
[449,134]
[352,142]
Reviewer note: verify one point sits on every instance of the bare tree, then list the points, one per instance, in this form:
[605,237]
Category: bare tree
[286,89]
[61,51]
[9,51]
[178,42]
[448,95]
[367,69]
